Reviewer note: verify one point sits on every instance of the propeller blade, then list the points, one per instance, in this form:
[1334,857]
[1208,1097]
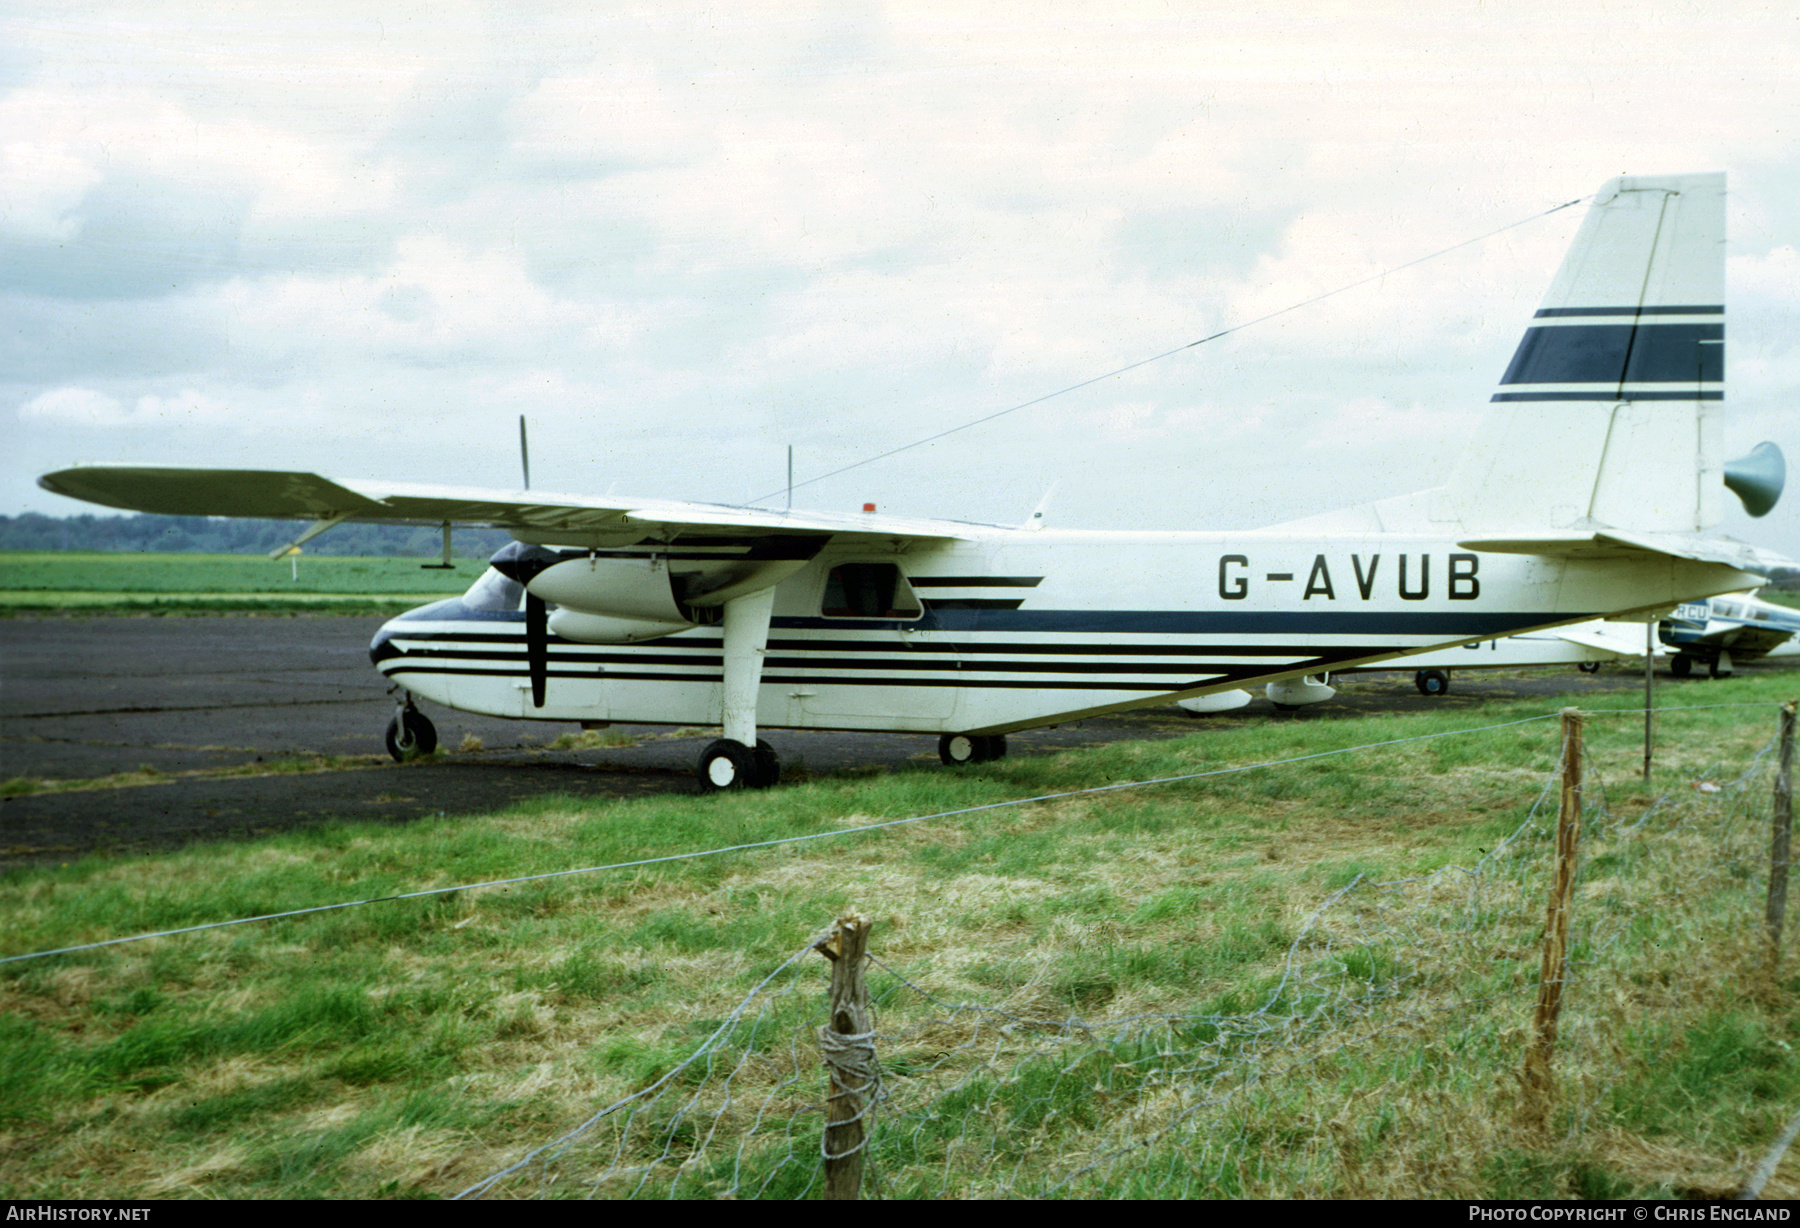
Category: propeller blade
[537,646]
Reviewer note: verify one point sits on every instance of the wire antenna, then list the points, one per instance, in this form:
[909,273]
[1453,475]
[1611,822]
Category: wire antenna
[1144,362]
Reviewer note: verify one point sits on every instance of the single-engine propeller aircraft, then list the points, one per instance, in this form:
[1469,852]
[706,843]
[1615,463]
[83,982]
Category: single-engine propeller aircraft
[1591,490]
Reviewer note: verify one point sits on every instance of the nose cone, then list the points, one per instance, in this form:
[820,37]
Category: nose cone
[382,647]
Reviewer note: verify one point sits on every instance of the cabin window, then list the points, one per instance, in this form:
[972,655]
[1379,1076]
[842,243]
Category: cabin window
[868,590]
[493,591]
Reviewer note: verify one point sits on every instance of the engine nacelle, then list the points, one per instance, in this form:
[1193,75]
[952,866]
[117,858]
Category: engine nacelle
[610,600]
[585,628]
[637,589]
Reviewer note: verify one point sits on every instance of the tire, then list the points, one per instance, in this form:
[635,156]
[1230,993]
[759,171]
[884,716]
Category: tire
[1431,681]
[993,747]
[410,735]
[1286,707]
[956,749]
[1681,665]
[768,766]
[727,765]
[1589,667]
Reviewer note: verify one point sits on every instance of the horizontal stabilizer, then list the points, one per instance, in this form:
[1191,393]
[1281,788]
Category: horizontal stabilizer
[1614,543]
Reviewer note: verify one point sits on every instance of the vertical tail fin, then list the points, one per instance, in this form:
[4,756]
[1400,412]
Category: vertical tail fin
[1608,412]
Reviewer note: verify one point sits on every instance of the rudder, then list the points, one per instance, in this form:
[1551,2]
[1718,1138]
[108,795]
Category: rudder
[1607,414]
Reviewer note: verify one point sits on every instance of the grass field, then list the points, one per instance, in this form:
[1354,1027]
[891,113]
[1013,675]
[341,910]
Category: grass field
[1312,980]
[214,583]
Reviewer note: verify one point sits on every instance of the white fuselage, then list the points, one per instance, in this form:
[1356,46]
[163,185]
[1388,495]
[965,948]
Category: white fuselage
[1014,629]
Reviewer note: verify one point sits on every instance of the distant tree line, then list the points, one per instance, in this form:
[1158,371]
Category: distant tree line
[219,535]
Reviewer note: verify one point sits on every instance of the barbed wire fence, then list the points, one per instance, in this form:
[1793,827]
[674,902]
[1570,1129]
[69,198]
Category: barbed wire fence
[1391,990]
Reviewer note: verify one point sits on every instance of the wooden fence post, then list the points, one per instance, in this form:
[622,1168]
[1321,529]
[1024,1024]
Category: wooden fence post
[848,1046]
[1782,826]
[1538,1085]
[1649,692]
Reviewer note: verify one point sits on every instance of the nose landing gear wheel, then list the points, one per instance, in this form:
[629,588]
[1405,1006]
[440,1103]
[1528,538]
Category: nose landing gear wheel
[410,736]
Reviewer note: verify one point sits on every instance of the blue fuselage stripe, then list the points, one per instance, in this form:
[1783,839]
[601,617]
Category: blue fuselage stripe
[1449,624]
[1619,353]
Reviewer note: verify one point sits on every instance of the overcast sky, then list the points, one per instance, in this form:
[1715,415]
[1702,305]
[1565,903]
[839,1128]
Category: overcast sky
[362,239]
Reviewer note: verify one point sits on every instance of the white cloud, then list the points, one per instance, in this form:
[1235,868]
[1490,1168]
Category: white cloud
[41,184]
[681,237]
[87,409]
[80,407]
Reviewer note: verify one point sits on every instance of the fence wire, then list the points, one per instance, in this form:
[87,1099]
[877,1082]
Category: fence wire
[1389,995]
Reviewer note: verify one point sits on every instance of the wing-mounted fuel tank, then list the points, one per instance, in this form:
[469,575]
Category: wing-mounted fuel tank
[627,596]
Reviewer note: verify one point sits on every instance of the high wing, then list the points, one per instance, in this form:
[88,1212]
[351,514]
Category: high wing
[529,515]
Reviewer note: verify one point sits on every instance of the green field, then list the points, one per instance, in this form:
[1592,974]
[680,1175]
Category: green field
[214,583]
[1313,980]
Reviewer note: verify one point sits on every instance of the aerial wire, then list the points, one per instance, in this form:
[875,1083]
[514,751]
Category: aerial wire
[1144,362]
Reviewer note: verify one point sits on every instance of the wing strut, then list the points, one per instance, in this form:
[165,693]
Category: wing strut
[318,527]
[446,565]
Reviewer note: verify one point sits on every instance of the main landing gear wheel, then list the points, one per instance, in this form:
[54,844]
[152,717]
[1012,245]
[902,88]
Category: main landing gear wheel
[768,766]
[1431,681]
[1681,665]
[410,736]
[727,764]
[956,749]
[1588,667]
